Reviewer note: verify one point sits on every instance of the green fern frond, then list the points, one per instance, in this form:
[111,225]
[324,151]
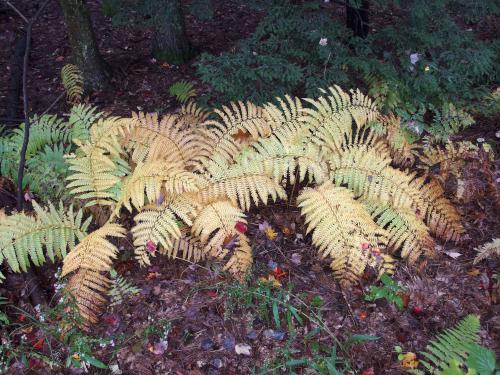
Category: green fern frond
[120,288]
[81,118]
[182,91]
[72,80]
[453,344]
[50,233]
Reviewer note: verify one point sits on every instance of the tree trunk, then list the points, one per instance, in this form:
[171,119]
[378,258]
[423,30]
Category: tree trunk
[170,42]
[84,48]
[357,18]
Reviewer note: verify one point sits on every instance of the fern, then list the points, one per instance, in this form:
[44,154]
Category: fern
[93,255]
[453,344]
[72,81]
[119,289]
[341,229]
[182,91]
[50,233]
[488,250]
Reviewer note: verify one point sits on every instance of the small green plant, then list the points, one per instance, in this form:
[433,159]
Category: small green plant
[182,91]
[49,338]
[120,288]
[390,290]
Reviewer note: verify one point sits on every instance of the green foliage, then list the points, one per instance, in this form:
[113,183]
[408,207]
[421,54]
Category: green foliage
[421,61]
[456,347]
[182,91]
[120,288]
[52,340]
[49,234]
[390,290]
[50,139]
[72,81]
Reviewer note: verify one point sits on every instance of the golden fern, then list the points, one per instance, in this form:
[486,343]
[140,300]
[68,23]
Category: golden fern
[219,137]
[153,179]
[168,138]
[192,115]
[72,81]
[242,259]
[92,256]
[160,224]
[341,229]
[50,233]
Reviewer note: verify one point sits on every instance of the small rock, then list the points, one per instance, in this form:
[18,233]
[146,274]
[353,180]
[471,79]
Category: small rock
[217,362]
[275,335]
[229,343]
[272,264]
[207,344]
[242,349]
[157,290]
[252,335]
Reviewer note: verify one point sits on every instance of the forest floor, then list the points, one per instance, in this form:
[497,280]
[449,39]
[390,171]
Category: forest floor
[195,298]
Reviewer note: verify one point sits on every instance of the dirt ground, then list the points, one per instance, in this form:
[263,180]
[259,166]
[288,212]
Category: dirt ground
[441,291]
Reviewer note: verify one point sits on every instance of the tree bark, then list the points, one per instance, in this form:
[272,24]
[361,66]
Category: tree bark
[357,18]
[170,42]
[15,81]
[85,51]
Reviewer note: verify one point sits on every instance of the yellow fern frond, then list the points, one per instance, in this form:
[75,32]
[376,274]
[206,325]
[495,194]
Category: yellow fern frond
[88,289]
[282,161]
[286,119]
[154,178]
[488,250]
[333,114]
[192,115]
[219,138]
[72,81]
[403,153]
[341,228]
[150,138]
[94,252]
[160,224]
[240,184]
[405,231]
[241,260]
[50,233]
[216,222]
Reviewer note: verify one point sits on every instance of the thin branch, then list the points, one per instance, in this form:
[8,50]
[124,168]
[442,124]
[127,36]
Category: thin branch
[54,102]
[17,11]
[22,159]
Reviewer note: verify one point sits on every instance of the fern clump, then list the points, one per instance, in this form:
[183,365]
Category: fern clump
[188,178]
[455,348]
[72,81]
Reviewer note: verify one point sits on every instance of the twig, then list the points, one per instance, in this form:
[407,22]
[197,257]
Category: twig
[22,159]
[54,102]
[17,11]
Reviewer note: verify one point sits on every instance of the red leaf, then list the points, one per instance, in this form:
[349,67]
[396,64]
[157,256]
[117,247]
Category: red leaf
[417,310]
[241,227]
[241,136]
[365,246]
[21,318]
[368,371]
[38,344]
[212,293]
[278,273]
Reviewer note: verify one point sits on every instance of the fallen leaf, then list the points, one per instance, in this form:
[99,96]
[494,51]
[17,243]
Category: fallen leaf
[474,272]
[241,136]
[278,273]
[296,258]
[362,315]
[368,371]
[151,275]
[59,58]
[242,349]
[230,242]
[409,361]
[38,345]
[271,234]
[287,231]
[264,226]
[453,254]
